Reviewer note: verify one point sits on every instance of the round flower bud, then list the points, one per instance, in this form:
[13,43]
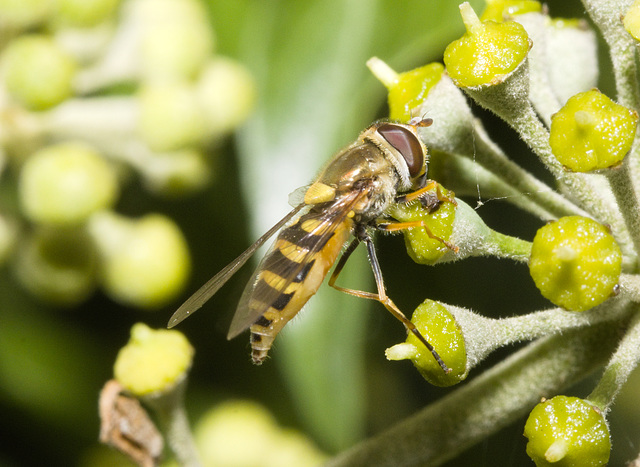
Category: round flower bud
[153,360]
[631,20]
[22,14]
[410,89]
[83,13]
[245,433]
[37,72]
[178,173]
[171,116]
[64,184]
[487,52]
[441,330]
[498,10]
[566,432]
[177,38]
[592,132]
[58,265]
[145,262]
[422,247]
[227,93]
[575,262]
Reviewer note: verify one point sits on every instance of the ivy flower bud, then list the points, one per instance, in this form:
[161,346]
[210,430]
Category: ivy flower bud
[498,10]
[153,361]
[487,53]
[145,263]
[409,90]
[83,13]
[58,266]
[245,433]
[171,116]
[631,20]
[422,247]
[575,262]
[38,73]
[441,330]
[592,132]
[176,173]
[66,183]
[177,38]
[567,431]
[227,93]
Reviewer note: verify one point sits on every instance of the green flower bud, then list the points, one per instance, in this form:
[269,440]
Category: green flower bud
[37,72]
[64,184]
[244,433]
[438,326]
[421,246]
[153,361]
[58,265]
[592,132]
[566,432]
[145,262]
[410,89]
[171,116]
[22,14]
[227,93]
[177,173]
[498,10]
[631,20]
[487,52]
[575,262]
[83,13]
[177,38]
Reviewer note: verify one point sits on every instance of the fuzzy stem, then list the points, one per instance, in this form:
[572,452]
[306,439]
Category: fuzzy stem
[622,186]
[509,247]
[171,413]
[522,118]
[606,14]
[622,363]
[493,400]
[630,285]
[493,159]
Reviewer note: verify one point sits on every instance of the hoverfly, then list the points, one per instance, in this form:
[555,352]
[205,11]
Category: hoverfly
[349,198]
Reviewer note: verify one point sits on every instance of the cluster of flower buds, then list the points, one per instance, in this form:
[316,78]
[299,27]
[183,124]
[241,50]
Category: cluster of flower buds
[538,74]
[153,367]
[90,93]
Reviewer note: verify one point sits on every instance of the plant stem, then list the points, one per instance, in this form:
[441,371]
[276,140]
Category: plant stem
[494,399]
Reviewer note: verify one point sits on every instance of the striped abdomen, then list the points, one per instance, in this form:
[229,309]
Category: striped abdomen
[290,273]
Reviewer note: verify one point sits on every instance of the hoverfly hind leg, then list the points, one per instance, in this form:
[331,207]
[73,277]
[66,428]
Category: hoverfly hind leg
[381,296]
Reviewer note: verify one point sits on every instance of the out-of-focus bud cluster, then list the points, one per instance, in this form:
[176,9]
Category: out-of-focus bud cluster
[90,92]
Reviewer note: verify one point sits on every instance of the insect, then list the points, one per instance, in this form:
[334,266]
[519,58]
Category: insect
[385,165]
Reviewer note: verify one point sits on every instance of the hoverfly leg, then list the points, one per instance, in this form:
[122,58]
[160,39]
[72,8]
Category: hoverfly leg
[381,296]
[396,226]
[430,203]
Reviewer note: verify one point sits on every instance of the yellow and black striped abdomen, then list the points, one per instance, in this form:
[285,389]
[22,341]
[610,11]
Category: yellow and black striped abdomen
[290,273]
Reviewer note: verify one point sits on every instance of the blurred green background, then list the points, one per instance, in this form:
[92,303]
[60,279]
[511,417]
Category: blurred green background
[327,375]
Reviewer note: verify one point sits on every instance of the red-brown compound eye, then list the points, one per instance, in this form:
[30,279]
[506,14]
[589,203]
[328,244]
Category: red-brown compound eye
[407,145]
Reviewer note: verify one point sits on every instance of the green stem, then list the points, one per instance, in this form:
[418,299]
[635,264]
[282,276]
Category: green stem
[169,407]
[623,189]
[493,400]
[505,246]
[622,363]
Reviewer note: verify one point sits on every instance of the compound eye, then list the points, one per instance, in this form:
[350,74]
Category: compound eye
[406,143]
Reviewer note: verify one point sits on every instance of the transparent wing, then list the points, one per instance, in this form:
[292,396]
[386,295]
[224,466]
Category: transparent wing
[205,292]
[289,264]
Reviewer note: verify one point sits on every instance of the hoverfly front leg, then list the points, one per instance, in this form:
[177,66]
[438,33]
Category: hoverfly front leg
[431,202]
[381,296]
